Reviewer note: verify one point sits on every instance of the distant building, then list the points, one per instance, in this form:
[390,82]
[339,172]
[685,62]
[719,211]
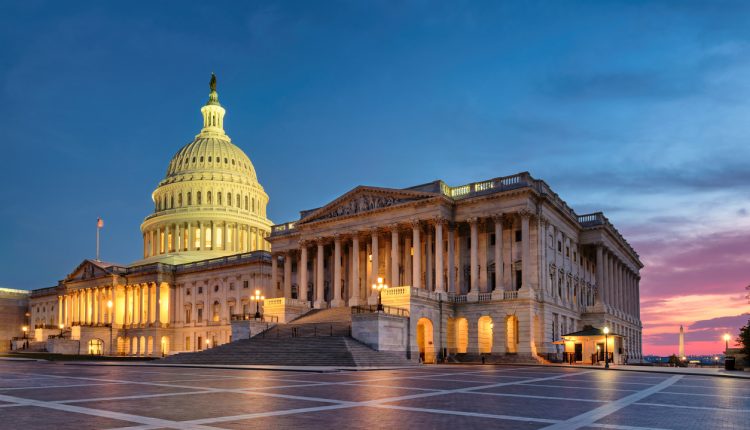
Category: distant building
[13,307]
[682,342]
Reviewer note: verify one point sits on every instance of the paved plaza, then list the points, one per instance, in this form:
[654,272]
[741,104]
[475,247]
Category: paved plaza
[67,396]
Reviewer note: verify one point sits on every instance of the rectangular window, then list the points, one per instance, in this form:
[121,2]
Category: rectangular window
[245,284]
[567,251]
[518,236]
[199,343]
[231,286]
[200,290]
[187,343]
[492,239]
[197,238]
[559,246]
[200,315]
[519,279]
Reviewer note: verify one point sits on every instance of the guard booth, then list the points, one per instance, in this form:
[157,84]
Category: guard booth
[588,346]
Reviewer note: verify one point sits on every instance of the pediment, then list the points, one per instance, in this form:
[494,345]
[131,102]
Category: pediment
[87,270]
[365,199]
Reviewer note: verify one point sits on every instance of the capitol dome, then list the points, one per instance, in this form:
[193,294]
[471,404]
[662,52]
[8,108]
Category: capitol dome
[210,202]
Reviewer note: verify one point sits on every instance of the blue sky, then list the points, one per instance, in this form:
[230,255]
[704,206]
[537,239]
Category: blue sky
[639,109]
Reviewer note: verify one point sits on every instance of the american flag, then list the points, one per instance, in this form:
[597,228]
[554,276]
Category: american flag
[99,223]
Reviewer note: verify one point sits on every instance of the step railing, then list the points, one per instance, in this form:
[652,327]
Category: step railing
[390,310]
[251,317]
[307,330]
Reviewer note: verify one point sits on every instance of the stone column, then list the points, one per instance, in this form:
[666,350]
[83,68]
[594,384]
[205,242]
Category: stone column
[149,308]
[473,257]
[395,281]
[320,301]
[125,320]
[354,282]
[428,273]
[498,252]
[600,274]
[59,310]
[302,272]
[375,266]
[407,255]
[526,256]
[336,302]
[416,262]
[287,275]
[157,303]
[274,275]
[451,260]
[439,260]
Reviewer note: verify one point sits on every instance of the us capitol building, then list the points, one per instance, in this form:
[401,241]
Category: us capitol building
[501,267]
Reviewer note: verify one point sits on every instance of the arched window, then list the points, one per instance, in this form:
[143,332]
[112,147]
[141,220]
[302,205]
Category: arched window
[208,196]
[229,199]
[198,197]
[247,205]
[171,202]
[253,200]
[179,200]
[189,199]
[238,201]
[218,198]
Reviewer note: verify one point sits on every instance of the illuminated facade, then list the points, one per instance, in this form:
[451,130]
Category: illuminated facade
[204,255]
[503,266]
[499,267]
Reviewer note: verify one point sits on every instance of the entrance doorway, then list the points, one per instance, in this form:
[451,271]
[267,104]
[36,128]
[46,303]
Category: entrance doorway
[425,341]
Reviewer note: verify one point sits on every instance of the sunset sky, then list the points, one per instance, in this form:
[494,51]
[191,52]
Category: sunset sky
[639,109]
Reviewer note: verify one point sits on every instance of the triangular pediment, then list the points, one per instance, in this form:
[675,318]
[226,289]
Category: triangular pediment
[89,270]
[364,199]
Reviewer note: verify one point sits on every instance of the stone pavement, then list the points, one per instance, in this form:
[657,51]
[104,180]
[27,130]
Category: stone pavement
[65,396]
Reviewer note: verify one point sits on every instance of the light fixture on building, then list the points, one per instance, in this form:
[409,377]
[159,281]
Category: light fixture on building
[380,286]
[257,298]
[606,355]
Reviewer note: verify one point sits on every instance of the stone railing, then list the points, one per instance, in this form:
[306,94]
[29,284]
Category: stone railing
[285,301]
[510,295]
[495,185]
[285,228]
[34,293]
[221,261]
[596,218]
[206,208]
[484,297]
[457,298]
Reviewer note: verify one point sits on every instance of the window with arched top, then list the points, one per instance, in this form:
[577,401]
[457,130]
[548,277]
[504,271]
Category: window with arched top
[189,199]
[179,200]
[216,311]
[171,202]
[208,197]
[238,201]
[198,197]
[247,204]
[229,199]
[218,198]
[253,205]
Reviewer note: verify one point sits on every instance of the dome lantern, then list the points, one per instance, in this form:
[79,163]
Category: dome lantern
[213,113]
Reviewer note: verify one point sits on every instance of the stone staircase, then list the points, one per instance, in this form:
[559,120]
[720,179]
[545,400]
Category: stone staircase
[334,351]
[321,337]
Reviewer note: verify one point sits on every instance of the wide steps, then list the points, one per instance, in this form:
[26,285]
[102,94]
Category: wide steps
[311,351]
[330,315]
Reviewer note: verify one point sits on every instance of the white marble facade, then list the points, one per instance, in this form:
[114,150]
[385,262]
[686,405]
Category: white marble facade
[503,251]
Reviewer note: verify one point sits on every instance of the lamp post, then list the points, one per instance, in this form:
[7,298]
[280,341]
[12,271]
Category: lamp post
[208,343]
[606,355]
[257,298]
[109,315]
[25,330]
[380,286]
[716,360]
[62,327]
[726,343]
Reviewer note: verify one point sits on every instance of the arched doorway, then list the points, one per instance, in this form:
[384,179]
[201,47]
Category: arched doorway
[511,334]
[142,346]
[425,341]
[462,335]
[216,312]
[484,330]
[164,345]
[96,347]
[149,346]
[120,345]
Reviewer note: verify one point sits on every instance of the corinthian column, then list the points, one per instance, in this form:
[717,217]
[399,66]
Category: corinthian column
[473,257]
[287,275]
[498,256]
[319,278]
[336,302]
[354,282]
[394,256]
[416,263]
[302,269]
[439,278]
[526,255]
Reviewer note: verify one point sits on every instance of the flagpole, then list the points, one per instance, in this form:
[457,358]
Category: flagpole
[97,242]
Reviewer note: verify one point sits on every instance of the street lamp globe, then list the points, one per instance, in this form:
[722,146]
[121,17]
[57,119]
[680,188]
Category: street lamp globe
[606,355]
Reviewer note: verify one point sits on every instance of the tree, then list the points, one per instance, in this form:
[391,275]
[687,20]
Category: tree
[744,340]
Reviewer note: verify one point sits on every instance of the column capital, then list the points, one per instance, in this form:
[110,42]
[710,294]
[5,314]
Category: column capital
[416,223]
[472,220]
[438,221]
[498,217]
[525,213]
[337,237]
